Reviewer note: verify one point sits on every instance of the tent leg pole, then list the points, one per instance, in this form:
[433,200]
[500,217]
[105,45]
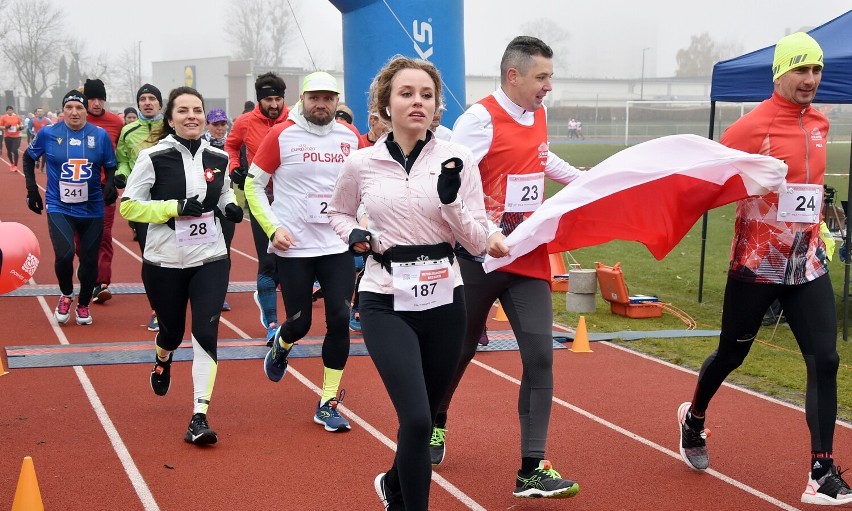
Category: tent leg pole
[704,221]
[701,261]
[846,240]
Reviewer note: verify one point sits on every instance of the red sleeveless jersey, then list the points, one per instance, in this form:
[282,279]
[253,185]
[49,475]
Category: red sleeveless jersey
[515,149]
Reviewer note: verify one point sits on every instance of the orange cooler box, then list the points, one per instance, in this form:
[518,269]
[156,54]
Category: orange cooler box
[614,290]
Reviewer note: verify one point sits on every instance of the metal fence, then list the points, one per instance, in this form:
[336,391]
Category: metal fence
[613,132]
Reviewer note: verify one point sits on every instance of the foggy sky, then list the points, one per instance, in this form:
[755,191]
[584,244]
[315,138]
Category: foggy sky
[606,36]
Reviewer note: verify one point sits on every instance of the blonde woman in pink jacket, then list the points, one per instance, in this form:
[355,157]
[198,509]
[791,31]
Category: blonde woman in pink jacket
[423,196]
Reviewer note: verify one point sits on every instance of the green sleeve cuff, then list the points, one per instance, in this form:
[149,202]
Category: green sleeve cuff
[150,212]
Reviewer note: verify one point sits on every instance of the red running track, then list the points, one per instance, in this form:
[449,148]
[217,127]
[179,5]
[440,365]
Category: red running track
[101,440]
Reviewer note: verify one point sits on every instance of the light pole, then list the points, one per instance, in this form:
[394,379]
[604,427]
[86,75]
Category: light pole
[642,80]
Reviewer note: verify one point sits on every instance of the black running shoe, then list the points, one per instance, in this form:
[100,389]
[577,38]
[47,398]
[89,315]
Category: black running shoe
[693,443]
[161,375]
[544,482]
[199,432]
[437,445]
[392,501]
[828,490]
[381,490]
[101,293]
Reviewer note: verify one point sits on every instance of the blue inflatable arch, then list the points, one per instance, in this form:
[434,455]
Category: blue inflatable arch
[376,30]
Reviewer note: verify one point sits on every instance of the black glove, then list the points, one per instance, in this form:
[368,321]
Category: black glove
[356,236]
[233,213]
[120,181]
[449,181]
[238,176]
[190,207]
[34,202]
[110,194]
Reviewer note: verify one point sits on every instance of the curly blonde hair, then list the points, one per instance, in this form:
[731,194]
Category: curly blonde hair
[380,89]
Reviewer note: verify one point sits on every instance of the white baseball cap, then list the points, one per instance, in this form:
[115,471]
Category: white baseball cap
[320,81]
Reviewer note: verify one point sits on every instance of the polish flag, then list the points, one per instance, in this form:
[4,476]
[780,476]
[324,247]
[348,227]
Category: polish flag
[652,193]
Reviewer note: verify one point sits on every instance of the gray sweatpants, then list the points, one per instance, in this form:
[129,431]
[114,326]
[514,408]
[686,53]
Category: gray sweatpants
[527,303]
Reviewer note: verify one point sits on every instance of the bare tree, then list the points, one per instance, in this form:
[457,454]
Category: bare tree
[88,65]
[698,59]
[280,26]
[555,36]
[128,72]
[32,44]
[259,30]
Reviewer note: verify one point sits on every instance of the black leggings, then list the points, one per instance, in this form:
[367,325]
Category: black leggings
[228,229]
[527,303]
[12,147]
[141,234]
[62,229]
[416,355]
[267,274]
[265,260]
[810,312]
[336,276]
[169,290]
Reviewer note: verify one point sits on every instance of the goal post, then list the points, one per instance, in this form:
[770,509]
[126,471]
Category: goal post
[672,116]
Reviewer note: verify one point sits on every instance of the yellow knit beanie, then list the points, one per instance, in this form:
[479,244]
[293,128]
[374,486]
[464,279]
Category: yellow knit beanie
[795,50]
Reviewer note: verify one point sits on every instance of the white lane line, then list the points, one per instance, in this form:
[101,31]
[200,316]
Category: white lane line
[729,385]
[449,487]
[442,482]
[240,252]
[375,433]
[136,479]
[235,328]
[633,436]
[124,247]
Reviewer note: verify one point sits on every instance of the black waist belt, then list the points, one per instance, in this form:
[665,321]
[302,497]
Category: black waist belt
[412,253]
[462,253]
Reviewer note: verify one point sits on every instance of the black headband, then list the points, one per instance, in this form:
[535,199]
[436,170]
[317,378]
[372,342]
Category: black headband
[340,114]
[268,90]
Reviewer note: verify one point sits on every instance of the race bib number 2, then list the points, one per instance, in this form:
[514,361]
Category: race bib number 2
[317,207]
[801,203]
[193,230]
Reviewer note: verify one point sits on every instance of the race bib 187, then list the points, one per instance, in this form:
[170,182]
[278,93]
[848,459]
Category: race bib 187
[422,285]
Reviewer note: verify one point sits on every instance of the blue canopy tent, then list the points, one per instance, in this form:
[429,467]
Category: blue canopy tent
[748,78]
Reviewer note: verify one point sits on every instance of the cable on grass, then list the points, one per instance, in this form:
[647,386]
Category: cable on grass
[681,315]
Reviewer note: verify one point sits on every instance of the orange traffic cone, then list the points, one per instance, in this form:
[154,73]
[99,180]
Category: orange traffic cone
[27,496]
[581,338]
[501,314]
[2,371]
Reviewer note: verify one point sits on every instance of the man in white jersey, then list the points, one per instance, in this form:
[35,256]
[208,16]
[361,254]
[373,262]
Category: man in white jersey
[303,156]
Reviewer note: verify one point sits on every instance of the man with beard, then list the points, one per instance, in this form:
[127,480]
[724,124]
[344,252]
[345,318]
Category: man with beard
[248,131]
[302,158]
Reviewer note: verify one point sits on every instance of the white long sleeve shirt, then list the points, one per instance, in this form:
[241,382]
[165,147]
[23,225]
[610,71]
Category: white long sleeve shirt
[473,129]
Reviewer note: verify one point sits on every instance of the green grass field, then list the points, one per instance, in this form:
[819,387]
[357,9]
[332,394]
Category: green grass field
[774,366]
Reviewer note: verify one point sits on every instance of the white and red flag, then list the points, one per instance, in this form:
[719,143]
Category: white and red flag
[652,193]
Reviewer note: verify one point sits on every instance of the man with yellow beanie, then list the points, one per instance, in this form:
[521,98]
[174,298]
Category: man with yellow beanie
[777,254]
